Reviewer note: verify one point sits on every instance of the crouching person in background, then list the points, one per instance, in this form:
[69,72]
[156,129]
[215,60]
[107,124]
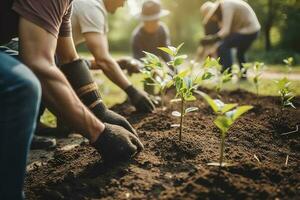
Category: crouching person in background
[239,27]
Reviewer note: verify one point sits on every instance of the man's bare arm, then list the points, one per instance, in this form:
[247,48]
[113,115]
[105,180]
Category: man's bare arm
[98,45]
[37,48]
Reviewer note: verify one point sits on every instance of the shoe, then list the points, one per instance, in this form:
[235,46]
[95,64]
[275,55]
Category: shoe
[40,142]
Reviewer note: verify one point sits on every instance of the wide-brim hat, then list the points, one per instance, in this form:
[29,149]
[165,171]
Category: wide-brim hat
[207,10]
[151,10]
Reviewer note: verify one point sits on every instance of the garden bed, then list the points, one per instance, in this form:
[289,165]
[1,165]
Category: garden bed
[169,169]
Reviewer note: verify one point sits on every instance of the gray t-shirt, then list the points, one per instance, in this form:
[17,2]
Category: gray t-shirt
[143,41]
[88,16]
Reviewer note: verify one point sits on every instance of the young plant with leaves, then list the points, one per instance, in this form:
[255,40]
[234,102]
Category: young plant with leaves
[288,63]
[156,71]
[176,60]
[224,77]
[285,93]
[227,114]
[185,86]
[257,69]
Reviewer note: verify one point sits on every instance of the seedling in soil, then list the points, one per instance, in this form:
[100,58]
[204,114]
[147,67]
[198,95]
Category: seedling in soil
[257,69]
[227,114]
[289,62]
[224,77]
[285,93]
[156,71]
[185,87]
[176,60]
[238,72]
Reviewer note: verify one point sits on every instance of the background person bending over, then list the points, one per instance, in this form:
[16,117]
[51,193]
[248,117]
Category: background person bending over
[239,27]
[90,25]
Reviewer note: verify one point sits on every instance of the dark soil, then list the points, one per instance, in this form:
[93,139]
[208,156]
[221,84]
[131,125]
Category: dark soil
[169,169]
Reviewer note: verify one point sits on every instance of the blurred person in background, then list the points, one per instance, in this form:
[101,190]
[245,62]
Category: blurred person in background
[90,26]
[151,34]
[238,25]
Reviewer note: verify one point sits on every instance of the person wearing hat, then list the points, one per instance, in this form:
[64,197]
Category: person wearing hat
[90,25]
[152,33]
[238,24]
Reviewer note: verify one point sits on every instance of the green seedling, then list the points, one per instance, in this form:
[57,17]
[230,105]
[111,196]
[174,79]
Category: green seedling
[227,114]
[156,71]
[185,87]
[289,63]
[239,72]
[176,60]
[285,93]
[257,69]
[224,77]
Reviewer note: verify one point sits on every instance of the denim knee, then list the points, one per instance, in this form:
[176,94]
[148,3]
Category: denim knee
[32,86]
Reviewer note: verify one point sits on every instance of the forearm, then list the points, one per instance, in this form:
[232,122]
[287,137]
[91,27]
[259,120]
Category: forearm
[112,70]
[62,100]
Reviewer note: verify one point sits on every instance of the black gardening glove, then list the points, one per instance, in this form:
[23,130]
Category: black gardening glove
[130,65]
[210,39]
[111,117]
[78,74]
[139,99]
[117,144]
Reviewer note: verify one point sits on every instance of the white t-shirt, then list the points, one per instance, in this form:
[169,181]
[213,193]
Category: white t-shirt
[238,17]
[88,16]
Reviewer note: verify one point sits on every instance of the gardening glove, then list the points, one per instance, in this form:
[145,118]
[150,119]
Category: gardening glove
[130,65]
[140,100]
[117,144]
[80,78]
[210,39]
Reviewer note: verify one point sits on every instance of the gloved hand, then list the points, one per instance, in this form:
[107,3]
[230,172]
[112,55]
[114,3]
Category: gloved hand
[79,76]
[111,117]
[139,99]
[117,144]
[210,39]
[130,65]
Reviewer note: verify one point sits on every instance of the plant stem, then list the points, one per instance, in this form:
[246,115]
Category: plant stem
[256,93]
[162,98]
[222,148]
[181,117]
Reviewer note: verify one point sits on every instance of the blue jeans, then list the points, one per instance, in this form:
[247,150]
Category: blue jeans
[20,94]
[240,41]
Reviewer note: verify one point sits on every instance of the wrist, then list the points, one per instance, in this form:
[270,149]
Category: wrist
[131,91]
[97,132]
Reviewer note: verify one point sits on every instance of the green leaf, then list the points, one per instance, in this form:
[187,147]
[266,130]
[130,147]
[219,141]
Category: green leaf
[190,98]
[223,123]
[228,107]
[183,73]
[191,109]
[178,60]
[239,111]
[207,75]
[167,50]
[179,47]
[210,101]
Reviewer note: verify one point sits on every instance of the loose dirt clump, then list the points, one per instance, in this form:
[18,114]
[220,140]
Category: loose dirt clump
[169,169]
